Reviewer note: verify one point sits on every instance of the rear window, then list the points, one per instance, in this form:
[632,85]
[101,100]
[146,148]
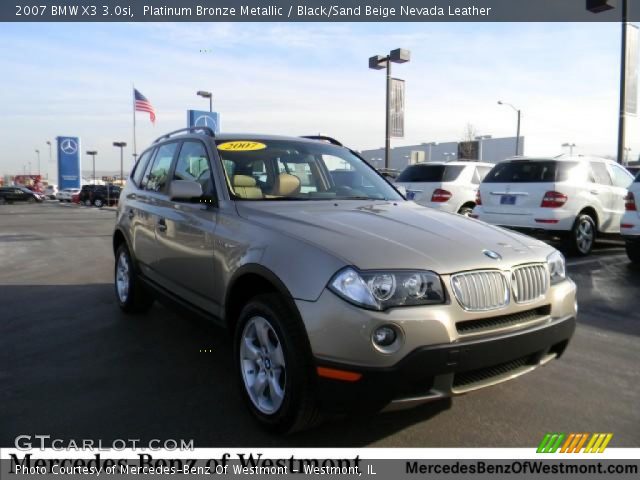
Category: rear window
[430,173]
[533,172]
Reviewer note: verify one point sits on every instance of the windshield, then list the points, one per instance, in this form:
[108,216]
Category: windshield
[299,170]
[430,173]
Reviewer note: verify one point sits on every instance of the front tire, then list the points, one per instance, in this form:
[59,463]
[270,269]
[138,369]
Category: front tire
[131,294]
[98,203]
[274,365]
[633,251]
[583,235]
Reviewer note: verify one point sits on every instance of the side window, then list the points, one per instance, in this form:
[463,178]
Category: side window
[159,172]
[621,178]
[482,172]
[140,167]
[302,170]
[600,173]
[193,165]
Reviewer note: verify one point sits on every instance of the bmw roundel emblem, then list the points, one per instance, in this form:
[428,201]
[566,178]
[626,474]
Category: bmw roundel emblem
[493,255]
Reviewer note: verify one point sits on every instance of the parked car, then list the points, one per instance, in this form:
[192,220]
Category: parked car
[65,194]
[343,297]
[630,224]
[99,195]
[391,174]
[17,193]
[574,198]
[51,191]
[448,186]
[75,198]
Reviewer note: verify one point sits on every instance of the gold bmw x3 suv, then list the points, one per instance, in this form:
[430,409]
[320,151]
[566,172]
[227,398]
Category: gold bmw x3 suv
[340,294]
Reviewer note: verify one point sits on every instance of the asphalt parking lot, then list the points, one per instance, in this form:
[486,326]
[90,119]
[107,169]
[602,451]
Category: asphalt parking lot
[73,367]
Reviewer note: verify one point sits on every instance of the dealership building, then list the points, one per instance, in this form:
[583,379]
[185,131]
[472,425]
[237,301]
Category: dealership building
[484,148]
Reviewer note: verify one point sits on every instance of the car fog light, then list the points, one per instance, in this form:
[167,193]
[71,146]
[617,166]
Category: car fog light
[384,336]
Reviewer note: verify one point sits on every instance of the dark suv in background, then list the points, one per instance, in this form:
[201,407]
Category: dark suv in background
[99,195]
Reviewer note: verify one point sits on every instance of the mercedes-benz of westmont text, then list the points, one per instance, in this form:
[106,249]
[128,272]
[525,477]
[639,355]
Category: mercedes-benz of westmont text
[447,186]
[340,299]
[575,198]
[630,224]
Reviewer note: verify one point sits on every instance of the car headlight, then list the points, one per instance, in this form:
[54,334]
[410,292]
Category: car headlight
[556,267]
[384,289]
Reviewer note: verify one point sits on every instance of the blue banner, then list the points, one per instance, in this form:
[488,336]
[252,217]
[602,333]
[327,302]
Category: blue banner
[199,118]
[69,173]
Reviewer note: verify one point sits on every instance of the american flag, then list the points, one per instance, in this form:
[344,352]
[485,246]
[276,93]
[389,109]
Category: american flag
[143,105]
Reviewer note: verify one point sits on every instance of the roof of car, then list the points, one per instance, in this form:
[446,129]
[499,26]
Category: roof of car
[455,163]
[561,158]
[242,136]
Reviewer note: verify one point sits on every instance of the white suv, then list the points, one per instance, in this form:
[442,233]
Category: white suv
[630,224]
[450,186]
[572,197]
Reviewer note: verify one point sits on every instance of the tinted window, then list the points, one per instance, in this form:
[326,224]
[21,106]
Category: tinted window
[159,172]
[193,165]
[533,172]
[600,173]
[430,173]
[140,167]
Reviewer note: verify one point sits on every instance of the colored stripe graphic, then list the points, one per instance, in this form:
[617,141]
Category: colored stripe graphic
[574,442]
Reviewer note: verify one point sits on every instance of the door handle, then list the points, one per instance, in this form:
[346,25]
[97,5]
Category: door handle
[131,214]
[162,225]
[594,192]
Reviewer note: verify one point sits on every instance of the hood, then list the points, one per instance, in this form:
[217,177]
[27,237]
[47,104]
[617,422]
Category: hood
[389,235]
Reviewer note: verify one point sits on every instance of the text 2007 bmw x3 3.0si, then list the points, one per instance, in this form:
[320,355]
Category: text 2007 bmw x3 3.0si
[340,298]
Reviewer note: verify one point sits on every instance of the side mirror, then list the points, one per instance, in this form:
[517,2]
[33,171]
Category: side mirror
[184,190]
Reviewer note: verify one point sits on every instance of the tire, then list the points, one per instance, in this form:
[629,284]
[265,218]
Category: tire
[31,200]
[98,203]
[87,203]
[282,357]
[582,236]
[2,201]
[130,293]
[633,251]
[465,210]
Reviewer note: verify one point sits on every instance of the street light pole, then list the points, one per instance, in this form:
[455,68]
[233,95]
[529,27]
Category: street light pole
[379,62]
[50,158]
[93,154]
[517,110]
[209,95]
[571,146]
[623,83]
[38,154]
[121,145]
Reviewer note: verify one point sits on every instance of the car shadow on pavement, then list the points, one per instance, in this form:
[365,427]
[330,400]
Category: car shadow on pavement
[74,367]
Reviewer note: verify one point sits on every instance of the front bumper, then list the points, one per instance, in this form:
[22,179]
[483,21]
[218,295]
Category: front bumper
[434,351]
[441,371]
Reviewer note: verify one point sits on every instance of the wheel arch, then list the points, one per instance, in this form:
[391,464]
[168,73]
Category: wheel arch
[593,213]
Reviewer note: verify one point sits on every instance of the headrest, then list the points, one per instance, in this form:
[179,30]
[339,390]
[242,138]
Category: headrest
[288,184]
[243,181]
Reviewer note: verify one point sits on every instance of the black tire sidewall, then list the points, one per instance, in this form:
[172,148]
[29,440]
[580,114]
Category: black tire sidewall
[633,251]
[296,381]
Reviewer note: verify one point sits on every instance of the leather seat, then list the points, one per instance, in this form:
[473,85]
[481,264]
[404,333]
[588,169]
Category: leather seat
[244,186]
[286,185]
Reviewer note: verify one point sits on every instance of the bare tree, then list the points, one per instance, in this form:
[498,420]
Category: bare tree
[467,145]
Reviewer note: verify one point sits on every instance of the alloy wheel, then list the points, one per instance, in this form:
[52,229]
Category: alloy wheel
[584,235]
[262,365]
[122,278]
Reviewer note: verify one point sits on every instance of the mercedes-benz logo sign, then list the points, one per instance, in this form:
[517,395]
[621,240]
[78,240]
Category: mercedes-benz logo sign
[69,146]
[493,255]
[206,121]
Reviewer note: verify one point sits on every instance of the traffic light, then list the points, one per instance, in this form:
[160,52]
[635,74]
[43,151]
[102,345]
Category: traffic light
[597,6]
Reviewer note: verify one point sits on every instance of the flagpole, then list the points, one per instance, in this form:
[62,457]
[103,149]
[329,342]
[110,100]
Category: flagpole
[135,151]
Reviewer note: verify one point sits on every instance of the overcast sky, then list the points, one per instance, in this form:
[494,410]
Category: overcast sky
[76,79]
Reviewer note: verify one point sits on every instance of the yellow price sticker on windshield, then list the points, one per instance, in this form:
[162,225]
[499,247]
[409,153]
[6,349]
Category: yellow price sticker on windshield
[241,146]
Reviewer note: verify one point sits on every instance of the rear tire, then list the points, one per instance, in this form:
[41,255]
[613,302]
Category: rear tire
[130,292]
[87,203]
[465,210]
[582,236]
[633,251]
[274,365]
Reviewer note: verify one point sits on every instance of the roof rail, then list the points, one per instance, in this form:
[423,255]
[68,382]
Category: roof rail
[207,130]
[323,138]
